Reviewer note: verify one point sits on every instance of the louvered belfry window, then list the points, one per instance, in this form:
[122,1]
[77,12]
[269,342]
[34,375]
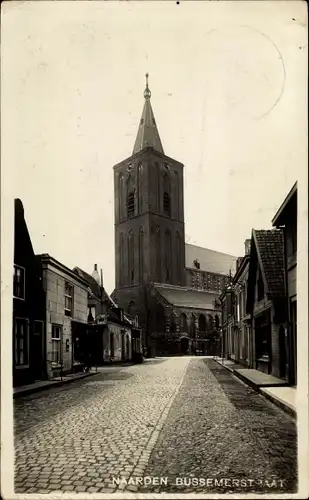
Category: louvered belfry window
[167,204]
[131,204]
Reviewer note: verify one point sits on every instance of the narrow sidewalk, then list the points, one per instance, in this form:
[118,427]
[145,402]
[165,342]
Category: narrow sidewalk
[40,385]
[276,390]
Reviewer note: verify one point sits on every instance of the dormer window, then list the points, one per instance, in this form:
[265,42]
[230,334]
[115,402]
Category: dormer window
[167,204]
[131,204]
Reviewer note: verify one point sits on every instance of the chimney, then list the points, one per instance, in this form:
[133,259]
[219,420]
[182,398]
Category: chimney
[247,246]
[95,274]
[101,277]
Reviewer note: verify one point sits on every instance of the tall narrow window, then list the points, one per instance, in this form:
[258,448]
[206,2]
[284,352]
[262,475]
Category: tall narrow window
[141,254]
[120,196]
[21,339]
[68,298]
[217,322]
[130,187]
[167,196]
[131,204]
[158,177]
[131,257]
[19,282]
[56,344]
[121,260]
[177,195]
[183,323]
[178,257]
[158,254]
[202,323]
[168,251]
[140,188]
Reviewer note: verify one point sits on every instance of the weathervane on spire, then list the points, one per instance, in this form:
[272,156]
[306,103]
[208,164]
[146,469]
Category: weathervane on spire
[147,93]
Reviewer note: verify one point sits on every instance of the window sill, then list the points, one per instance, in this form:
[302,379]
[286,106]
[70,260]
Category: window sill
[21,367]
[19,298]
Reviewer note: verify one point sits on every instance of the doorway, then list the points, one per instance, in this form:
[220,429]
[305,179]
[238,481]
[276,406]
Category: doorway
[184,345]
[282,353]
[37,351]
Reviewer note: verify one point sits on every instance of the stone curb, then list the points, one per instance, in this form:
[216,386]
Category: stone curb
[254,386]
[31,390]
[142,462]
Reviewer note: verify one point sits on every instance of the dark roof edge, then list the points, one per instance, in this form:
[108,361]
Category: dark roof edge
[284,204]
[142,152]
[244,262]
[254,232]
[46,258]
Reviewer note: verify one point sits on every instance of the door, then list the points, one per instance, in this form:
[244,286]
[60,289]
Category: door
[37,351]
[293,343]
[127,347]
[184,345]
[282,353]
[112,345]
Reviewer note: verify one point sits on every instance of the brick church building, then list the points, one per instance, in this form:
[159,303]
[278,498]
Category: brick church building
[171,286]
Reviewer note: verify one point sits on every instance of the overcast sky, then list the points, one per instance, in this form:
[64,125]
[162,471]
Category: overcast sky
[229,93]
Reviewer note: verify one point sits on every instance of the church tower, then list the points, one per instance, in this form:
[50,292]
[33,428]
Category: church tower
[149,214]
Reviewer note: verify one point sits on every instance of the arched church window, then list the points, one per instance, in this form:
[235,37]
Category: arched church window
[131,307]
[177,194]
[202,323]
[131,257]
[120,196]
[141,254]
[178,257]
[131,204]
[158,177]
[210,322]
[168,251]
[167,204]
[192,326]
[167,195]
[183,323]
[217,322]
[121,267]
[158,254]
[140,188]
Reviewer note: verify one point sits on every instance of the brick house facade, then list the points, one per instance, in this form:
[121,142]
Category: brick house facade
[66,312]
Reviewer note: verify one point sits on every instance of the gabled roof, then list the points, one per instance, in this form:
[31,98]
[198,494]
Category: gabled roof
[210,260]
[93,284]
[147,135]
[96,290]
[267,251]
[180,296]
[270,251]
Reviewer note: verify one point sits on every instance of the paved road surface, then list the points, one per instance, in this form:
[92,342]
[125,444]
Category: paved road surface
[184,422]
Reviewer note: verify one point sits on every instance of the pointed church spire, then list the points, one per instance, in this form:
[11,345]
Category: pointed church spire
[147,134]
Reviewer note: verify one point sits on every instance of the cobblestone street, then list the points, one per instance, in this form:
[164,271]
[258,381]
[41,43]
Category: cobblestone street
[186,419]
